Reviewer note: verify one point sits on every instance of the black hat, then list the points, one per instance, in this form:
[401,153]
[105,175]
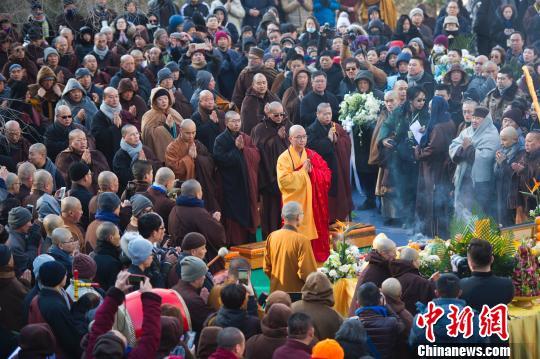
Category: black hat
[108,202]
[51,273]
[481,112]
[78,170]
[35,33]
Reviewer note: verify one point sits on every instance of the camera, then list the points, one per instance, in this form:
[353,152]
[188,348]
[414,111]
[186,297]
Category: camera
[327,30]
[460,266]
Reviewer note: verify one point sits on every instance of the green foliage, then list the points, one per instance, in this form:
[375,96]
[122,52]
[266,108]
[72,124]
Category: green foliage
[463,41]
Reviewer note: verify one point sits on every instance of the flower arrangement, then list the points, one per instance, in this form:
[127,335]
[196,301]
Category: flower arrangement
[534,192]
[359,109]
[434,258]
[442,66]
[344,262]
[526,275]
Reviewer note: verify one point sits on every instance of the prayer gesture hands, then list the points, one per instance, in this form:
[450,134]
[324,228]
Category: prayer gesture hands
[192,152]
[87,157]
[141,155]
[239,142]
[214,117]
[169,121]
[308,166]
[133,110]
[117,120]
[517,167]
[282,133]
[466,142]
[332,135]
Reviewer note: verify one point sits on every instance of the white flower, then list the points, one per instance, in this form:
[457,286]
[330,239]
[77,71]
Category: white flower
[332,273]
[433,258]
[344,268]
[323,270]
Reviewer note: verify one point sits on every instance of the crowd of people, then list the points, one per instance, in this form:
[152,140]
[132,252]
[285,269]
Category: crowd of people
[136,144]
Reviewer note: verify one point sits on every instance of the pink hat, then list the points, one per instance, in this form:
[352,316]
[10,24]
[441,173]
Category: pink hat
[221,34]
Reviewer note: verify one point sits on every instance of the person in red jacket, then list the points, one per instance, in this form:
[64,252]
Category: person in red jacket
[103,342]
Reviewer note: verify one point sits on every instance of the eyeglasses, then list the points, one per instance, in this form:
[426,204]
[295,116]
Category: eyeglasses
[350,69]
[72,240]
[66,116]
[279,114]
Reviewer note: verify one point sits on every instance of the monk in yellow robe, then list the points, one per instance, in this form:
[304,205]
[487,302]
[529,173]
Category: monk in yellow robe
[288,257]
[303,176]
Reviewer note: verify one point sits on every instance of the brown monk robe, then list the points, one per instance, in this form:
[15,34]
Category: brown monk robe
[257,96]
[271,138]
[333,143]
[238,159]
[527,168]
[160,125]
[190,159]
[78,151]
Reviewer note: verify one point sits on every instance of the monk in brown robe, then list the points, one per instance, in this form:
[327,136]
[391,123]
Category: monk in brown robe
[238,159]
[333,143]
[527,170]
[257,97]
[78,151]
[160,125]
[271,138]
[190,159]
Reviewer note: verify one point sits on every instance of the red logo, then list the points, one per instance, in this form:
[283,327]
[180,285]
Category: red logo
[460,321]
[429,319]
[494,321]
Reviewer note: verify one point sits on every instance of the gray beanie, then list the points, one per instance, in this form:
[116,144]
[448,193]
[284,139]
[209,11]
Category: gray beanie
[49,51]
[139,203]
[18,217]
[139,250]
[38,261]
[164,74]
[193,268]
[108,202]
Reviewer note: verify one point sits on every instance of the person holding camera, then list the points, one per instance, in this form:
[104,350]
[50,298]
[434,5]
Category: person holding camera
[483,287]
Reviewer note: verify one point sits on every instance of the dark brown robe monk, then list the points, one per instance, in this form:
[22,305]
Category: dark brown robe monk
[238,170]
[265,137]
[98,164]
[337,156]
[201,168]
[253,108]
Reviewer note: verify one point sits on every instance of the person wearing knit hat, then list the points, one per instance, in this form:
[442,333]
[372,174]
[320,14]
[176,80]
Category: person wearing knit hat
[79,170]
[140,253]
[15,67]
[327,349]
[109,345]
[52,274]
[173,66]
[175,23]
[269,61]
[220,35]
[441,40]
[19,218]
[164,74]
[81,72]
[513,117]
[39,261]
[416,11]
[48,52]
[417,41]
[108,202]
[85,265]
[140,205]
[193,270]
[343,22]
[194,241]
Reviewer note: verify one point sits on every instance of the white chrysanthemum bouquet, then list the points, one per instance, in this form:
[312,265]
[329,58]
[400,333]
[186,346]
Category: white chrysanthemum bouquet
[359,109]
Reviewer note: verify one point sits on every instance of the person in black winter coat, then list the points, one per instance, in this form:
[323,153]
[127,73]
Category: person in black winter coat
[334,73]
[483,287]
[193,7]
[163,9]
[68,324]
[504,25]
[405,31]
[107,254]
[255,9]
[231,314]
[309,103]
[56,136]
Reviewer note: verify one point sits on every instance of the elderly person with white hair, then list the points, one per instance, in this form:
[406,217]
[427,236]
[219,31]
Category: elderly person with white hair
[288,258]
[378,269]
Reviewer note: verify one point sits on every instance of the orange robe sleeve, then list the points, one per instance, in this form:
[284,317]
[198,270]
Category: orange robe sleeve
[179,161]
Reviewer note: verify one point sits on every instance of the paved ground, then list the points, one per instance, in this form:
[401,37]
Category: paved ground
[372,216]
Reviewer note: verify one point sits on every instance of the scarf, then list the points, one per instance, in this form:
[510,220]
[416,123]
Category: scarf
[107,217]
[159,188]
[110,111]
[133,152]
[101,53]
[189,202]
[44,25]
[379,309]
[413,80]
